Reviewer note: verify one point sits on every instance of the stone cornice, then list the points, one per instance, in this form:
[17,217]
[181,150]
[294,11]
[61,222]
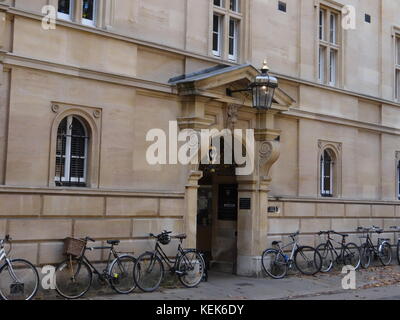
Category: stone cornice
[303,114]
[10,60]
[332,200]
[89,192]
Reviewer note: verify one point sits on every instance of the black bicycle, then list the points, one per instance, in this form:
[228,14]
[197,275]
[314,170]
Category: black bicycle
[74,276]
[349,253]
[188,265]
[369,251]
[396,230]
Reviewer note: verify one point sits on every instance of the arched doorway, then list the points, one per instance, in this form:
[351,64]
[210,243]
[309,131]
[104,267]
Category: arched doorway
[217,214]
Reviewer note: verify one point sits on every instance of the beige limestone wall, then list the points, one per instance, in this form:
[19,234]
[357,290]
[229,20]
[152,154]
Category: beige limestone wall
[311,217]
[125,123]
[38,222]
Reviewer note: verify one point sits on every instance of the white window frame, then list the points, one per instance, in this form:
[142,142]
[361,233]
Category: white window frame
[222,5]
[234,56]
[88,22]
[397,68]
[326,193]
[329,49]
[236,4]
[217,52]
[64,16]
[67,165]
[321,24]
[333,27]
[332,66]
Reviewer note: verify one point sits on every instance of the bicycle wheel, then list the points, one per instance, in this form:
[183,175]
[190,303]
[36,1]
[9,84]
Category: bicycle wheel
[148,272]
[191,268]
[365,255]
[73,278]
[19,280]
[307,260]
[398,251]
[274,263]
[385,253]
[121,273]
[326,256]
[351,255]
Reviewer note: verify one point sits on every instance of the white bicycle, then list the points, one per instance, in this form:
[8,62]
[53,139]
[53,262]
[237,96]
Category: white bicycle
[19,279]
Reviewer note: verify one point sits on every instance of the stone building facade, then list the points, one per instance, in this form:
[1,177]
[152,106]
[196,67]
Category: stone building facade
[77,101]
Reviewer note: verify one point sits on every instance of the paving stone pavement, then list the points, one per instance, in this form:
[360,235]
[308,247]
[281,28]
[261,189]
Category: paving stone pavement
[376,282]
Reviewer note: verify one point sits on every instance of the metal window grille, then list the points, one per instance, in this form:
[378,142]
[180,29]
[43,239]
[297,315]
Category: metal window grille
[71,153]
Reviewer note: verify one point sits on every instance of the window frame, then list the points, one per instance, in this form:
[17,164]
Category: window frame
[226,15]
[335,153]
[218,34]
[329,38]
[397,67]
[327,192]
[235,38]
[66,175]
[64,16]
[88,22]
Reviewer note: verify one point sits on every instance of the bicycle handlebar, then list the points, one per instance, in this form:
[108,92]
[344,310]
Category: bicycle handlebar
[89,239]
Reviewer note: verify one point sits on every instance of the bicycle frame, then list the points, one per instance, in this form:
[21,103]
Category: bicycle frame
[294,248]
[112,252]
[163,256]
[330,242]
[3,256]
[371,245]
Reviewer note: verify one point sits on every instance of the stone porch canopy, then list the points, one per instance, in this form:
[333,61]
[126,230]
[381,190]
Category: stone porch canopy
[211,83]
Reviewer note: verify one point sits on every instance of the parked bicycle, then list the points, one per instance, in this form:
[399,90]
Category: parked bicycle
[188,264]
[349,253]
[276,263]
[74,276]
[396,230]
[382,250]
[19,279]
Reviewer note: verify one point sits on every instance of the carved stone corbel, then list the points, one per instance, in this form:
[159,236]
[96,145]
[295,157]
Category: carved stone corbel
[269,152]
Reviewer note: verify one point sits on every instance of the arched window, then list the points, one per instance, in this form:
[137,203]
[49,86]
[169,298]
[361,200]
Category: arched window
[71,153]
[327,173]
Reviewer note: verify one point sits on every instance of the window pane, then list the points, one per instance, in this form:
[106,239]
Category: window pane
[232,38]
[332,67]
[64,6]
[398,50]
[321,24]
[216,34]
[234,5]
[219,3]
[397,86]
[321,64]
[88,9]
[333,23]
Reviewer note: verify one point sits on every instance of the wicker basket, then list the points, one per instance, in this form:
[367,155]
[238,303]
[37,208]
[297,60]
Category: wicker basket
[74,247]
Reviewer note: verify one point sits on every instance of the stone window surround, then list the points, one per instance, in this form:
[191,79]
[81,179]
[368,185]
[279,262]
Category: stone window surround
[336,148]
[93,118]
[329,6]
[226,15]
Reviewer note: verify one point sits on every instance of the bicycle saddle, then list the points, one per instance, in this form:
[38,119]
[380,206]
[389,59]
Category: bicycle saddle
[274,243]
[113,242]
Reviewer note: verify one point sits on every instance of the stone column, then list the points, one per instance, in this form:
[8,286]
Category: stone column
[253,222]
[190,219]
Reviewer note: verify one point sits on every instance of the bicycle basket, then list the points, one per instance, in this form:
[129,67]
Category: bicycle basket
[74,247]
[164,238]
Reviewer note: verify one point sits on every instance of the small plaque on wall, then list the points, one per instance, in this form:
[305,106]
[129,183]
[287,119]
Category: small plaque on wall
[245,203]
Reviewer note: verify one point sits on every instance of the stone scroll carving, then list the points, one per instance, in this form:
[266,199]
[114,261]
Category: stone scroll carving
[269,152]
